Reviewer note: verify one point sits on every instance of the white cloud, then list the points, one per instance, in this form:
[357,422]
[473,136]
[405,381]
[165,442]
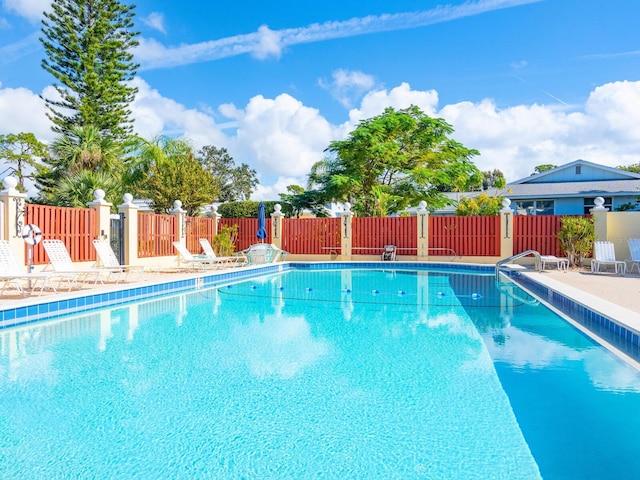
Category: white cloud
[31,9]
[271,191]
[281,138]
[348,85]
[14,51]
[281,135]
[155,20]
[22,110]
[399,97]
[157,115]
[268,43]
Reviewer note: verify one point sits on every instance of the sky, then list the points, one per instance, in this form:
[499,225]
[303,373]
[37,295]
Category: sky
[524,82]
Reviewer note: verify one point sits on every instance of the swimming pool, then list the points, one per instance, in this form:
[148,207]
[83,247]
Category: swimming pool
[334,374]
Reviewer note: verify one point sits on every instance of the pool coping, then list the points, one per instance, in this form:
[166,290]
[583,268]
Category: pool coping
[608,321]
[615,327]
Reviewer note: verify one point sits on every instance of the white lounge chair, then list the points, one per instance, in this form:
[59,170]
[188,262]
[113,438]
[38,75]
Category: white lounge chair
[110,263]
[209,252]
[634,249]
[560,263]
[605,254]
[61,262]
[24,283]
[197,262]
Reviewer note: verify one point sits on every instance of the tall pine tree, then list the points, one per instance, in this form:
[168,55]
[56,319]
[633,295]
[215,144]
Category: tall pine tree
[88,50]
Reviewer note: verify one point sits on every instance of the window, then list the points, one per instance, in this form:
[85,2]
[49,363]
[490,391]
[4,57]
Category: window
[535,207]
[578,169]
[589,203]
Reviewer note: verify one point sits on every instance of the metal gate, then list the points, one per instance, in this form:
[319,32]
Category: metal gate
[117,235]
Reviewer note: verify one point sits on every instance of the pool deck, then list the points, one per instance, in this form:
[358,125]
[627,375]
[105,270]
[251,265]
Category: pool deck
[618,297]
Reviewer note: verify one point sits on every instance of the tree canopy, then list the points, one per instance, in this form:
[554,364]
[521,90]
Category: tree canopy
[392,161]
[543,168]
[24,151]
[166,169]
[80,158]
[235,183]
[88,47]
[635,167]
[483,204]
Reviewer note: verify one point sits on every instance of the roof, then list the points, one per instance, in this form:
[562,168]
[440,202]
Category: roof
[556,174]
[609,188]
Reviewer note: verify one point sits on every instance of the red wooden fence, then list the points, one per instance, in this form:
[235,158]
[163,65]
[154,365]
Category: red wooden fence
[156,234]
[315,236]
[469,236]
[538,232]
[370,235]
[247,228]
[76,227]
[197,228]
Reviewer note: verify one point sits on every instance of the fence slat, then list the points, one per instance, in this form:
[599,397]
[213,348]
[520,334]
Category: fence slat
[468,236]
[247,228]
[371,234]
[539,232]
[74,226]
[155,235]
[314,236]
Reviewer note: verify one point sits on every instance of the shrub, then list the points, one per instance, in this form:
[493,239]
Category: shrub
[483,205]
[224,241]
[249,209]
[576,236]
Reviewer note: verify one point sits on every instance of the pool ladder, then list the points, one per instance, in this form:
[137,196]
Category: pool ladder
[535,253]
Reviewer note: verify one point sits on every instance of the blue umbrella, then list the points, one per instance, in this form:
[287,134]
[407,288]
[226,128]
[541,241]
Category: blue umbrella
[262,231]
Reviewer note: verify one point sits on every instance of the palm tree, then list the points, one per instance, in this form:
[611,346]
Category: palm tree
[76,190]
[81,150]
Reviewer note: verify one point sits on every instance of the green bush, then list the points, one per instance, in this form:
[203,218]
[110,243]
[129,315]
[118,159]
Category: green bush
[576,236]
[224,241]
[248,209]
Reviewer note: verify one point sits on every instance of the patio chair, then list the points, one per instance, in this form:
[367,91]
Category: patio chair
[560,263]
[634,249]
[61,262]
[604,254]
[197,262]
[26,283]
[235,261]
[388,253]
[110,263]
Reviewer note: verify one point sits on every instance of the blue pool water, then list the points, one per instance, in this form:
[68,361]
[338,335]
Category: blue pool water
[323,374]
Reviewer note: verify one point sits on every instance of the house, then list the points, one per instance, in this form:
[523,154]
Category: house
[569,189]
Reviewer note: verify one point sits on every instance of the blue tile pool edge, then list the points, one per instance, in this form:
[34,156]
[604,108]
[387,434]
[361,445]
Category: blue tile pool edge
[603,326]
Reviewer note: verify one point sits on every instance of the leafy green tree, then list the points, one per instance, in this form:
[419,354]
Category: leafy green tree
[543,168]
[236,183]
[249,209]
[25,152]
[493,179]
[483,205]
[88,47]
[76,189]
[81,149]
[576,236]
[392,161]
[635,167]
[298,199]
[164,170]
